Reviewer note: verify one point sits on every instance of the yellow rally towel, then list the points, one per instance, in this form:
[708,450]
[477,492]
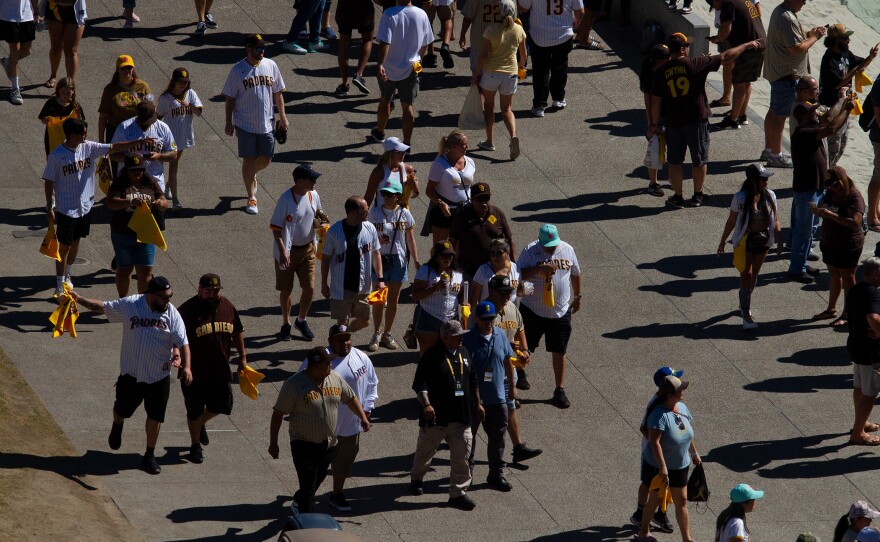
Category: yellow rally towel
[378,297]
[64,317]
[49,246]
[248,380]
[408,188]
[857,107]
[321,233]
[739,254]
[549,301]
[105,175]
[663,489]
[661,138]
[143,223]
[861,80]
[465,314]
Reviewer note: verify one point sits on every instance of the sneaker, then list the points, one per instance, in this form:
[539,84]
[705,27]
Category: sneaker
[304,329]
[812,257]
[780,161]
[672,6]
[377,135]
[558,104]
[338,501]
[200,29]
[317,46]
[698,199]
[654,190]
[726,124]
[133,17]
[15,96]
[150,465]
[687,8]
[359,82]
[195,454]
[801,277]
[429,61]
[749,322]
[373,345]
[389,342]
[766,154]
[462,503]
[284,334]
[128,25]
[486,146]
[292,48]
[742,120]
[175,203]
[521,453]
[675,201]
[560,400]
[342,89]
[522,383]
[514,148]
[660,522]
[415,487]
[499,484]
[68,281]
[328,33]
[448,63]
[115,438]
[210,22]
[813,271]
[251,207]
[538,112]
[203,436]
[636,519]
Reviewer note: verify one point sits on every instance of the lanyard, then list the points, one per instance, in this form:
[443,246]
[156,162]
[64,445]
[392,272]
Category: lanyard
[460,368]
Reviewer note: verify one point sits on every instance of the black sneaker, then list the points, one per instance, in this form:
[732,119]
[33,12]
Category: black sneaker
[448,63]
[342,89]
[359,82]
[415,487]
[305,331]
[742,120]
[150,465]
[813,271]
[675,201]
[672,6]
[636,518]
[284,334]
[499,484]
[195,454]
[803,278]
[462,503]
[654,190]
[560,400]
[726,124]
[429,61]
[522,383]
[203,436]
[697,200]
[115,438]
[660,522]
[687,8]
[378,135]
[521,453]
[113,266]
[338,501]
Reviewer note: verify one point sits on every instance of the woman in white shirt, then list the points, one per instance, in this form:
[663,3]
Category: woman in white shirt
[731,525]
[176,107]
[449,183]
[436,288]
[499,264]
[391,166]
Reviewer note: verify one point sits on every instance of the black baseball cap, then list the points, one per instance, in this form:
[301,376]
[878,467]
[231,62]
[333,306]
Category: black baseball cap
[210,281]
[659,52]
[757,170]
[254,40]
[677,42]
[305,171]
[158,285]
[500,283]
[135,161]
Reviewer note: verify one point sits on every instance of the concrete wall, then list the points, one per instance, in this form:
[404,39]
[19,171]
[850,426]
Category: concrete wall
[689,24]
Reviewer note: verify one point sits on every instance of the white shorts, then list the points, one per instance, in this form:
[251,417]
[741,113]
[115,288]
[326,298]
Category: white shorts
[505,83]
[867,379]
[655,155]
[441,3]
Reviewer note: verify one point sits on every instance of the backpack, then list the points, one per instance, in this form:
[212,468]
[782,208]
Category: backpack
[652,34]
[866,119]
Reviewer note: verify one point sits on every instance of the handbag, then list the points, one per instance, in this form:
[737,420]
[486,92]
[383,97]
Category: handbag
[697,488]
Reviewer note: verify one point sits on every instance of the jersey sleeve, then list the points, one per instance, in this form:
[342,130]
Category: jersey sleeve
[727,12]
[194,99]
[383,33]
[237,326]
[575,265]
[286,398]
[51,169]
[577,4]
[118,135]
[178,329]
[427,30]
[118,309]
[279,216]
[331,241]
[97,150]
[279,80]
[374,239]
[232,88]
[789,30]
[423,273]
[525,4]
[168,142]
[408,219]
[163,106]
[346,392]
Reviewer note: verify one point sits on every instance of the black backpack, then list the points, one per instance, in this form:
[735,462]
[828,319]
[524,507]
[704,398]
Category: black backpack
[866,119]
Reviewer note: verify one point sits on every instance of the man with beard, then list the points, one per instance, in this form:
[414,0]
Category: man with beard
[213,325]
[159,146]
[153,341]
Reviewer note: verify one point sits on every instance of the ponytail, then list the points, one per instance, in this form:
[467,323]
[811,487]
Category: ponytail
[508,22]
[448,141]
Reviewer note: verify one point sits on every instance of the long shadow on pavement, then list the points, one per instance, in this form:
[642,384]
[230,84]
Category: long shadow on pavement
[751,456]
[275,513]
[712,328]
[832,356]
[596,533]
[803,384]
[91,463]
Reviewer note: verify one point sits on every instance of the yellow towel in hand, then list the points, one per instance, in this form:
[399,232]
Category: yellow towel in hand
[64,317]
[378,297]
[861,80]
[663,489]
[465,315]
[321,234]
[739,255]
[857,106]
[143,223]
[49,246]
[549,300]
[248,379]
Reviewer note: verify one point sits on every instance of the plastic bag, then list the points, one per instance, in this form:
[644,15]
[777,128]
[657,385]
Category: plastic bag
[471,117]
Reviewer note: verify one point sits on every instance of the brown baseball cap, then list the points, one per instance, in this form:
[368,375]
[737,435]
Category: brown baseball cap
[210,281]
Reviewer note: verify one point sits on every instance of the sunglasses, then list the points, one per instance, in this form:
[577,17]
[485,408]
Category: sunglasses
[258,49]
[164,297]
[481,199]
[495,253]
[678,421]
[126,68]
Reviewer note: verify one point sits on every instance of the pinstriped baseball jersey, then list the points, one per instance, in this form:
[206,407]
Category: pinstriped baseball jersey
[147,337]
[252,88]
[485,273]
[482,14]
[393,224]
[72,173]
[440,304]
[313,408]
[550,20]
[130,130]
[335,249]
[566,264]
[179,117]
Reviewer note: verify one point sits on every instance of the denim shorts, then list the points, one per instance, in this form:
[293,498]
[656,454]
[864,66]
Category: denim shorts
[782,96]
[252,145]
[397,273]
[129,252]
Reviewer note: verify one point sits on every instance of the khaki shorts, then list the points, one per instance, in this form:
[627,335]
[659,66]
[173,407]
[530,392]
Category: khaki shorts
[347,449]
[353,305]
[866,379]
[302,265]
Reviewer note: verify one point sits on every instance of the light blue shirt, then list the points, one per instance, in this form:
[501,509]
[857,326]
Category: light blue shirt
[678,433]
[487,363]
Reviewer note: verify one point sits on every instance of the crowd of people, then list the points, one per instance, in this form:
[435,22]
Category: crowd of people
[481,307]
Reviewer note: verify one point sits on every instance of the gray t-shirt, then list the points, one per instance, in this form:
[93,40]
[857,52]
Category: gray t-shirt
[313,409]
[784,31]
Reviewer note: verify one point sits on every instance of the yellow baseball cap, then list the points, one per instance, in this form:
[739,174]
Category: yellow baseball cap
[123,61]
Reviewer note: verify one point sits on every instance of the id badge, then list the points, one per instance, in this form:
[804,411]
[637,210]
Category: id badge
[458,391]
[487,376]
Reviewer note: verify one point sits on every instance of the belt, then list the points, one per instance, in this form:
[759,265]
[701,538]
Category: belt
[300,246]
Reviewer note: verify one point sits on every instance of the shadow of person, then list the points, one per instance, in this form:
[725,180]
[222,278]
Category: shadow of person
[76,469]
[750,456]
[274,512]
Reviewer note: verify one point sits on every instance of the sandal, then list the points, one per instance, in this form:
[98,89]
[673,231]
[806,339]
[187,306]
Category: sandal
[50,83]
[870,440]
[871,427]
[840,322]
[827,314]
[718,103]
[874,227]
[593,45]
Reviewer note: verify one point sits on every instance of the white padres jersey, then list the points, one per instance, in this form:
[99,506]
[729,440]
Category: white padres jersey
[253,88]
[441,304]
[566,264]
[335,249]
[16,11]
[147,337]
[294,217]
[179,117]
[550,20]
[485,273]
[72,172]
[130,130]
[393,224]
[358,372]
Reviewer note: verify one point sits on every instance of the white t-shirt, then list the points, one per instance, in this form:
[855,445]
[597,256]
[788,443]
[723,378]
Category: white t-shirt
[550,20]
[147,337]
[735,528]
[253,89]
[16,11]
[294,216]
[738,204]
[399,175]
[335,249]
[453,185]
[407,30]
[485,273]
[72,172]
[387,223]
[566,264]
[130,130]
[179,117]
[441,304]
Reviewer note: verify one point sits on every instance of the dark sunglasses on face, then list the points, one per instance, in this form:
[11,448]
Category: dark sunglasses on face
[126,68]
[482,199]
[164,297]
[495,253]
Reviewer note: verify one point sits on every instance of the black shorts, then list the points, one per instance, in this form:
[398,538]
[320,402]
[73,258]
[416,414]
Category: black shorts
[130,394]
[62,14]
[694,137]
[756,242]
[354,15]
[841,257]
[748,67]
[593,5]
[677,478]
[557,331]
[69,229]
[205,393]
[24,32]
[437,219]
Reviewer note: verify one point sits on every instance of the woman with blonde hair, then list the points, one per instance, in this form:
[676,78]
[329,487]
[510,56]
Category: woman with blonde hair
[391,166]
[449,183]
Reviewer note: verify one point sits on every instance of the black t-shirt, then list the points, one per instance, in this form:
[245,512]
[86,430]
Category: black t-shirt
[831,73]
[862,300]
[54,109]
[810,159]
[646,75]
[210,331]
[352,280]
[681,83]
[874,134]
[148,191]
[475,234]
[746,21]
[433,375]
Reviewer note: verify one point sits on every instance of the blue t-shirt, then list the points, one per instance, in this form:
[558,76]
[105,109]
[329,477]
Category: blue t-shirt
[678,432]
[487,363]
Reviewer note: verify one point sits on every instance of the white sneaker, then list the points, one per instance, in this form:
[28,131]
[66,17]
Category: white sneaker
[749,322]
[251,207]
[538,112]
[15,97]
[389,342]
[373,345]
[559,104]
[68,282]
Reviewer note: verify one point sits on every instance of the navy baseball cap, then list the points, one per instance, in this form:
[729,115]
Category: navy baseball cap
[305,171]
[158,285]
[486,310]
[663,372]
